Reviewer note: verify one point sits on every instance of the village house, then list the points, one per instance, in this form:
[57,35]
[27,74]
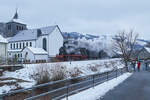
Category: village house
[3,49]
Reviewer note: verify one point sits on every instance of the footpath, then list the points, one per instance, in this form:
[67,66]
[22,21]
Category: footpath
[136,87]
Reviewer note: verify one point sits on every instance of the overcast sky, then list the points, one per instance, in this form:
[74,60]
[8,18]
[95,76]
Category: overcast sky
[85,16]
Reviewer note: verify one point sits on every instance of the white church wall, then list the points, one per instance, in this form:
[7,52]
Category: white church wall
[39,41]
[55,42]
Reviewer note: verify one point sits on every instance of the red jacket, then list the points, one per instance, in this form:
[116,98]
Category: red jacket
[138,65]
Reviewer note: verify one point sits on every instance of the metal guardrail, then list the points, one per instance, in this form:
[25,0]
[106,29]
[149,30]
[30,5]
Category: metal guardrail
[67,87]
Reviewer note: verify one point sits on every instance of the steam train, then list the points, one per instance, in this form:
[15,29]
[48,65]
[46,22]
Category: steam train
[71,51]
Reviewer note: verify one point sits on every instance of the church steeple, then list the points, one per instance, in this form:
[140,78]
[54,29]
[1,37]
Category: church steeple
[16,15]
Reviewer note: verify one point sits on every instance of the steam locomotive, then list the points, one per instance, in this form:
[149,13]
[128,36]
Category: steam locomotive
[71,51]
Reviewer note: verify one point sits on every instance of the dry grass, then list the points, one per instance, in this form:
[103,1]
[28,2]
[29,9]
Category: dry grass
[93,68]
[75,73]
[45,73]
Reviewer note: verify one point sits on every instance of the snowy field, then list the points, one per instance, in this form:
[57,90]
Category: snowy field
[99,91]
[24,80]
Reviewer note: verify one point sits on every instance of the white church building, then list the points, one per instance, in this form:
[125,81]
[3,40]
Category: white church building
[45,41]
[34,45]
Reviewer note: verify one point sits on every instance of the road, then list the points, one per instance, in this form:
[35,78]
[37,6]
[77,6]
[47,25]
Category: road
[136,87]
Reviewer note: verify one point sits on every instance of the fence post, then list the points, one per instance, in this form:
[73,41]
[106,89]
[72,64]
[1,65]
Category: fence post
[116,73]
[107,76]
[32,92]
[1,97]
[93,80]
[67,90]
[121,71]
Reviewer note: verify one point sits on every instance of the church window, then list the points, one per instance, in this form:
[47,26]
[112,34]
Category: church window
[20,46]
[45,44]
[9,27]
[30,44]
[14,45]
[19,27]
[17,45]
[11,46]
[23,45]
[26,43]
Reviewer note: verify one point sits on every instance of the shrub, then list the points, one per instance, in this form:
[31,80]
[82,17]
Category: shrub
[42,74]
[75,72]
[93,68]
[58,72]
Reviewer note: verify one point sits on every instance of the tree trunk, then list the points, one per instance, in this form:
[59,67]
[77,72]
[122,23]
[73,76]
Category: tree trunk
[126,65]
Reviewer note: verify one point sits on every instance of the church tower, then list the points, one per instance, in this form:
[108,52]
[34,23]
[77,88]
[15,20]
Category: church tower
[14,26]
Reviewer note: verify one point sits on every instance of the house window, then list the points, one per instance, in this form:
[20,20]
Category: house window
[30,44]
[26,43]
[11,46]
[45,44]
[14,45]
[20,46]
[21,55]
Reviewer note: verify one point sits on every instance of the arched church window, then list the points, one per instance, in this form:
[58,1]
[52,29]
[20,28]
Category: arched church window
[45,44]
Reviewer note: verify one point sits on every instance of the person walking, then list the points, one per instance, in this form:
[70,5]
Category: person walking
[146,66]
[138,65]
[134,63]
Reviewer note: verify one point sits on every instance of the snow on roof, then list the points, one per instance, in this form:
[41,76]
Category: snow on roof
[148,49]
[31,34]
[2,39]
[17,21]
[37,50]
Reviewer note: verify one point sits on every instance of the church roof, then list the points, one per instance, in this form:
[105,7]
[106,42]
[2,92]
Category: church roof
[31,34]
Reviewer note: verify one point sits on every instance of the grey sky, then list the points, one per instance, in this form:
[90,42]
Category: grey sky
[86,16]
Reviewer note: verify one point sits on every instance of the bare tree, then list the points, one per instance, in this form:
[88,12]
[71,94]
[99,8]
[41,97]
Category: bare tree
[124,43]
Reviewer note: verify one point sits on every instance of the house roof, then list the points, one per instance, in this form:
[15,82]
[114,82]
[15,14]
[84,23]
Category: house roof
[37,50]
[31,34]
[2,39]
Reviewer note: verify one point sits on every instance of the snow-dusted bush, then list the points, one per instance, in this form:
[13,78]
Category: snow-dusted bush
[93,67]
[58,72]
[42,74]
[75,72]
[45,73]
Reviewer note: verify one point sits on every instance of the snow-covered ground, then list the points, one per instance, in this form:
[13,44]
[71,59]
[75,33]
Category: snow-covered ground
[100,90]
[85,67]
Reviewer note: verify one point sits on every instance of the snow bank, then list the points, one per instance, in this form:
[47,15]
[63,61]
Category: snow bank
[100,90]
[27,72]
